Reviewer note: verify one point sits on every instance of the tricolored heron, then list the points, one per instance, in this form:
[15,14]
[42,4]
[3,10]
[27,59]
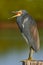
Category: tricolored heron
[28,28]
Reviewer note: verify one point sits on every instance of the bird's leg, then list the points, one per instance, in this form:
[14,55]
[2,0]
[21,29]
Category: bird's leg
[30,54]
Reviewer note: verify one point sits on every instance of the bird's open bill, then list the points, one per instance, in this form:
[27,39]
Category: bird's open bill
[17,13]
[13,17]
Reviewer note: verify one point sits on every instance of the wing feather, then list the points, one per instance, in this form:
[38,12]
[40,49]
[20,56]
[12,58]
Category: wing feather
[35,36]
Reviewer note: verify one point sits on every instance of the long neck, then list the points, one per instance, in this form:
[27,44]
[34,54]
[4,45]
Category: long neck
[20,20]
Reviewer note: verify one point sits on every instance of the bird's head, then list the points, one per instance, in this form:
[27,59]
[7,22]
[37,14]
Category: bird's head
[18,13]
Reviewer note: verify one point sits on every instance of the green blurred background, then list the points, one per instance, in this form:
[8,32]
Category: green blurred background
[34,7]
[10,37]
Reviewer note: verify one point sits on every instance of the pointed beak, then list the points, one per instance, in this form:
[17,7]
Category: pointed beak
[13,12]
[16,14]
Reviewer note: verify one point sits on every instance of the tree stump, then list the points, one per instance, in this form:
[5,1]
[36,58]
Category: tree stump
[32,62]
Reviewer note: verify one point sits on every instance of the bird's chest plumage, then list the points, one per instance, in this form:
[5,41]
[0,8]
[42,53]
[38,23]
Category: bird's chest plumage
[24,25]
[19,22]
[23,22]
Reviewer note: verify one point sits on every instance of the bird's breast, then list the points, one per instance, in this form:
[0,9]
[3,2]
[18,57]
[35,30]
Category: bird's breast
[25,37]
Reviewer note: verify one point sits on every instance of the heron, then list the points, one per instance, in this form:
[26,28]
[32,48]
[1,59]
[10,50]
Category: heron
[28,29]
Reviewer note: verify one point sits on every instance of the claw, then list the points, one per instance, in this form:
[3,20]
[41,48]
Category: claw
[30,58]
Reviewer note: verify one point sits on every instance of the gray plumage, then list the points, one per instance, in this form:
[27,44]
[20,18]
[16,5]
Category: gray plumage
[28,28]
[25,23]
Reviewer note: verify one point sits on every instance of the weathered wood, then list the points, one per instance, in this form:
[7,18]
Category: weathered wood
[32,62]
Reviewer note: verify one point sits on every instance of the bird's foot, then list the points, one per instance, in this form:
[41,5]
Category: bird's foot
[30,58]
